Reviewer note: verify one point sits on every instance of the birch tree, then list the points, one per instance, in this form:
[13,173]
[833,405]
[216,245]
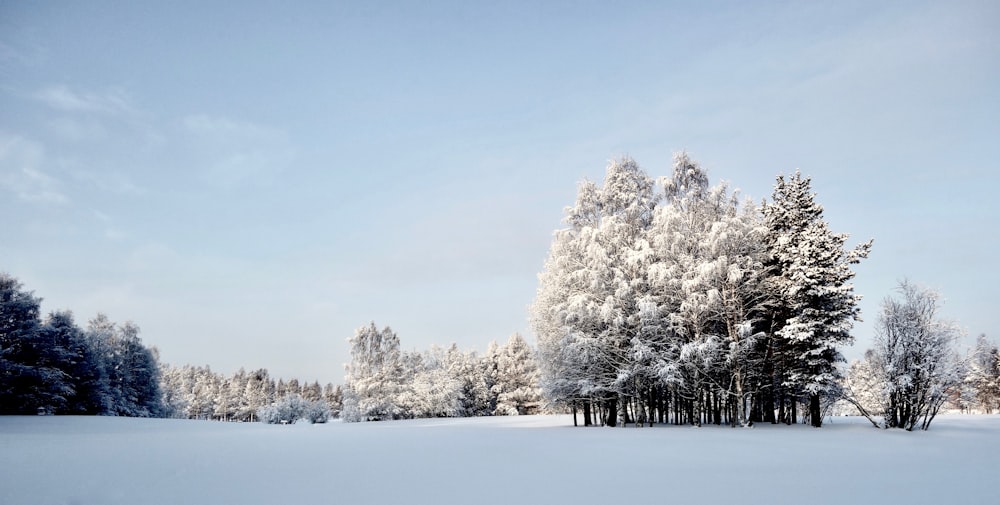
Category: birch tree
[374,375]
[915,358]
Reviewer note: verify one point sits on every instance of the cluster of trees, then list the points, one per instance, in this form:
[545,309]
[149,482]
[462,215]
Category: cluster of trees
[914,368]
[981,385]
[677,302]
[52,366]
[384,382]
[199,393]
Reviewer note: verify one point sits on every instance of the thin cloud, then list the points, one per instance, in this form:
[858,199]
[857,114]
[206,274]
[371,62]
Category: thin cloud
[64,99]
[237,153]
[76,130]
[110,231]
[111,182]
[20,174]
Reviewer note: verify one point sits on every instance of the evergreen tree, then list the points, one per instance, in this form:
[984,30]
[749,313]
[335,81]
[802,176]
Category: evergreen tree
[816,302]
[132,369]
[334,398]
[24,386]
[468,370]
[516,385]
[85,379]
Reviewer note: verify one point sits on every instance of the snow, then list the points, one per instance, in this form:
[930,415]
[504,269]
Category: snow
[107,460]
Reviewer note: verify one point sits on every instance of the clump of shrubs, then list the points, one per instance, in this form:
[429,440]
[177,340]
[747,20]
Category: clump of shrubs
[293,407]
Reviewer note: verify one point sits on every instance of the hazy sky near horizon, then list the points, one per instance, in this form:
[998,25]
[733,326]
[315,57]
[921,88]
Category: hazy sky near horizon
[251,182]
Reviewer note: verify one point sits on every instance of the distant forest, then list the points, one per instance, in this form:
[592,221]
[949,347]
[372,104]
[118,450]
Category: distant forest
[52,366]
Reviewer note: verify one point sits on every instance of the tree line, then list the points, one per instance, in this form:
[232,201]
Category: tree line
[196,392]
[384,382]
[669,301]
[52,366]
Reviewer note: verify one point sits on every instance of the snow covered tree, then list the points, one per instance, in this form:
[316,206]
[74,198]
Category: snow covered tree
[428,390]
[516,383]
[287,410]
[374,375]
[334,398]
[586,313]
[260,391]
[205,395]
[863,387]
[469,370]
[23,387]
[708,281]
[816,302]
[132,369]
[983,376]
[45,366]
[731,277]
[235,398]
[914,358]
[312,392]
[293,387]
[316,411]
[84,376]
[566,357]
[293,407]
[688,303]
[172,386]
[55,367]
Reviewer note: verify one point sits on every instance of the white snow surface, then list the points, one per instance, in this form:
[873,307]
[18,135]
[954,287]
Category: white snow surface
[531,459]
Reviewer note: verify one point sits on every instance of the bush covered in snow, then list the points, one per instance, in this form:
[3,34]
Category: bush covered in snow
[293,407]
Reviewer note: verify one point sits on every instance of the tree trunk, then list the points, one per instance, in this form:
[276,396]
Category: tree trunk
[574,415]
[814,412]
[612,408]
[767,407]
[586,414]
[782,411]
[741,415]
[626,407]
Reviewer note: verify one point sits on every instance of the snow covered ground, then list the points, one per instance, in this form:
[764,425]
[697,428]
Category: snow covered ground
[105,461]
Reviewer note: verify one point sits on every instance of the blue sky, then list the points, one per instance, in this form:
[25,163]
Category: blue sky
[251,183]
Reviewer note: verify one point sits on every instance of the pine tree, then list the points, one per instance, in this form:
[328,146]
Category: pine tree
[334,397]
[516,385]
[132,369]
[19,321]
[469,370]
[816,302]
[84,379]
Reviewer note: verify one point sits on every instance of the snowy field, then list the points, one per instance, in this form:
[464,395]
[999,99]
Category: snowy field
[105,461]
